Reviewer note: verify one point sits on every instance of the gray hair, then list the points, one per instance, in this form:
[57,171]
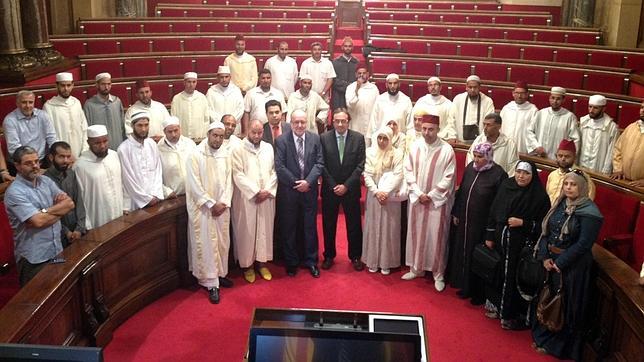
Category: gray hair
[20,152]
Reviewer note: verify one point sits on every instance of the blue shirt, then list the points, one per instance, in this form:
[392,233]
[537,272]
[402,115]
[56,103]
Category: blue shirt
[22,201]
[36,131]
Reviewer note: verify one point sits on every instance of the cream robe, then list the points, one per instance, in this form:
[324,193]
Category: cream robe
[283,73]
[441,106]
[313,105]
[224,101]
[253,170]
[141,172]
[231,143]
[208,181]
[69,121]
[319,71]
[255,101]
[158,112]
[598,137]
[381,238]
[193,113]
[458,106]
[505,152]
[431,170]
[387,106]
[516,118]
[100,184]
[173,160]
[629,152]
[360,105]
[547,128]
[555,181]
[243,70]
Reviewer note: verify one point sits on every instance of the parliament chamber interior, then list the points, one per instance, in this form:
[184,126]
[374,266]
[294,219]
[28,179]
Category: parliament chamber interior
[127,286]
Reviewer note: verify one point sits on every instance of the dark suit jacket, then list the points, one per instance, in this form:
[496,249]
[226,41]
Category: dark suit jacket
[268,132]
[286,165]
[348,172]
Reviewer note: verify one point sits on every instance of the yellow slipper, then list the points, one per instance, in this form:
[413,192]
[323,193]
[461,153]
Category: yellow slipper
[249,275]
[266,274]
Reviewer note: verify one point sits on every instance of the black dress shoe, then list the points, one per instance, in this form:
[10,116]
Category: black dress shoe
[315,272]
[225,282]
[291,271]
[327,263]
[462,295]
[213,295]
[357,265]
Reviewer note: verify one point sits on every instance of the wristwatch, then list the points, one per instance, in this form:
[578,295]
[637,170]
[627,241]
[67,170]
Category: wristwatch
[44,211]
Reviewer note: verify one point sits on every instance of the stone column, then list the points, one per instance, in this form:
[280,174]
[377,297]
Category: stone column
[126,8]
[36,33]
[13,54]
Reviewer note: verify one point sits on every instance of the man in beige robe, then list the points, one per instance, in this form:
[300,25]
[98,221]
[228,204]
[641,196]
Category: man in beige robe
[253,209]
[192,109]
[174,149]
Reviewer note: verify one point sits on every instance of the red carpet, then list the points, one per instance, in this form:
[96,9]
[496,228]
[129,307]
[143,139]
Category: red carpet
[184,326]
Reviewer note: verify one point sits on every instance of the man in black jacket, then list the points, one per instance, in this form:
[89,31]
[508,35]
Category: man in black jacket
[345,70]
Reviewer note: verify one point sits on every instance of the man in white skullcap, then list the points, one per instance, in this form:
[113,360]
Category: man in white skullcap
[225,98]
[256,98]
[243,66]
[360,97]
[598,136]
[141,165]
[191,107]
[392,104]
[284,70]
[106,109]
[468,110]
[174,149]
[551,125]
[310,102]
[67,115]
[209,191]
[434,103]
[321,71]
[517,115]
[98,171]
[156,111]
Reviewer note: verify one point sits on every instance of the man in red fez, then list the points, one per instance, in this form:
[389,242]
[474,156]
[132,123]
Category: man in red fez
[157,110]
[566,156]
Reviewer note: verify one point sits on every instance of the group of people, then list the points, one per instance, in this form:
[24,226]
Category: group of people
[248,159]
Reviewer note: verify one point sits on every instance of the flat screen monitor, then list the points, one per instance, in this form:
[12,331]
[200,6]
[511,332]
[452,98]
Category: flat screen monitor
[321,345]
[399,324]
[36,352]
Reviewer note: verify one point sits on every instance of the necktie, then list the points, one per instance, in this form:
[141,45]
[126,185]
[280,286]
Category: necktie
[300,155]
[341,147]
[276,132]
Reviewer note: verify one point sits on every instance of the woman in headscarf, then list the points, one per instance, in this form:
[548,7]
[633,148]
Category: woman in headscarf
[383,175]
[514,222]
[481,180]
[398,139]
[569,230]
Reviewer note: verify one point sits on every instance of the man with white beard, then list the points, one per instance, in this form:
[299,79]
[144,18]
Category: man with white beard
[174,149]
[191,108]
[225,98]
[392,104]
[517,114]
[437,104]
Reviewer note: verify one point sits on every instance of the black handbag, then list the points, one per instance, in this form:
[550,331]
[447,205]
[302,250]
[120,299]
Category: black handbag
[530,272]
[470,132]
[486,263]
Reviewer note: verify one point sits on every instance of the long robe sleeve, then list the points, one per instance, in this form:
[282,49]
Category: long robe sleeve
[589,228]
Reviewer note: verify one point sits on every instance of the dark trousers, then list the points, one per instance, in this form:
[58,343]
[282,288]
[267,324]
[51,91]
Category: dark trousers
[351,206]
[293,204]
[27,270]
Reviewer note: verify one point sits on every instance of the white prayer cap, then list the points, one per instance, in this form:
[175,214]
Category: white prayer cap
[100,76]
[392,76]
[216,124]
[170,121]
[524,166]
[597,100]
[96,130]
[474,78]
[138,116]
[306,76]
[64,77]
[558,90]
[223,69]
[190,75]
[434,79]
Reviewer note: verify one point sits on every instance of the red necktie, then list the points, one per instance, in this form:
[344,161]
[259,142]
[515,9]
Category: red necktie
[276,132]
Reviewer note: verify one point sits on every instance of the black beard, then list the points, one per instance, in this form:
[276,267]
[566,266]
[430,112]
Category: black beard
[61,168]
[100,155]
[393,93]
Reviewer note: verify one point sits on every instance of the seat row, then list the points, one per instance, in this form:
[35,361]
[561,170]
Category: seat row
[434,5]
[456,16]
[244,12]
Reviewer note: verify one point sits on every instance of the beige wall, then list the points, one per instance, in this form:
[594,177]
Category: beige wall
[64,13]
[619,20]
[533,2]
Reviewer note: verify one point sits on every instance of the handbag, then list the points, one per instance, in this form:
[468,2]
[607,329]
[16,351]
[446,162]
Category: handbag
[530,272]
[550,309]
[470,132]
[486,263]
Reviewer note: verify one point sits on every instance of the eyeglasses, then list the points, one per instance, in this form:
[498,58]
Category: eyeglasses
[577,171]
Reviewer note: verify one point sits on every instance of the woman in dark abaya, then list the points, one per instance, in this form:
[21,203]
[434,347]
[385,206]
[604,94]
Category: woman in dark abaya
[569,230]
[481,180]
[514,222]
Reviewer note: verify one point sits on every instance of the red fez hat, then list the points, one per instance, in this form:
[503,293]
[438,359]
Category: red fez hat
[428,118]
[521,84]
[239,37]
[141,83]
[567,145]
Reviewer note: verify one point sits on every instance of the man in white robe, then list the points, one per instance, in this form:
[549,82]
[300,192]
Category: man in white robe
[598,137]
[191,107]
[256,98]
[505,150]
[283,69]
[361,96]
[551,125]
[468,110]
[392,104]
[155,110]
[209,192]
[243,66]
[430,170]
[174,149]
[230,125]
[141,166]
[253,209]
[517,115]
[321,70]
[311,103]
[98,171]
[225,98]
[66,114]
[437,104]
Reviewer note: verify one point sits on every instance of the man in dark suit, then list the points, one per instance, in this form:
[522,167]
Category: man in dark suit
[344,155]
[299,164]
[275,126]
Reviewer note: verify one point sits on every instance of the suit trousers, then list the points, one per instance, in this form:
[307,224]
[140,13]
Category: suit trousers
[351,207]
[294,204]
